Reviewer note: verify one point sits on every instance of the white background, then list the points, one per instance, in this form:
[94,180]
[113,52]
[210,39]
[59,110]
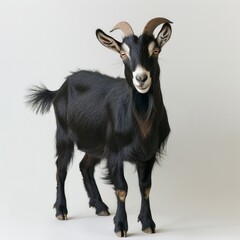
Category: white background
[196,191]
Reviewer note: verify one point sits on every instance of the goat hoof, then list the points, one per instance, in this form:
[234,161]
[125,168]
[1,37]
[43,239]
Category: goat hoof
[62,217]
[149,230]
[121,234]
[103,213]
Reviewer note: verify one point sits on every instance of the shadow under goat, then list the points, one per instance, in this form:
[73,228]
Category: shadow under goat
[113,118]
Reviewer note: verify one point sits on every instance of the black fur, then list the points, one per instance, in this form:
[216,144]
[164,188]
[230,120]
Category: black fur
[106,117]
[40,99]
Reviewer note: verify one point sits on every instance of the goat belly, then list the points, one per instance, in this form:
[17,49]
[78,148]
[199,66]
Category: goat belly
[89,140]
[97,152]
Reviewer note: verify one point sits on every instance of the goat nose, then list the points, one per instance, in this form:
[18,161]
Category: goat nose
[141,78]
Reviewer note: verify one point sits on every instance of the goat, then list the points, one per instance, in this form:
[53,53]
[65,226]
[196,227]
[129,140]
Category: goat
[114,118]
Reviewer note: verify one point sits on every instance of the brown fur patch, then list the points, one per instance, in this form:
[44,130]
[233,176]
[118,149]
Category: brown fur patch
[147,193]
[121,195]
[144,124]
[144,127]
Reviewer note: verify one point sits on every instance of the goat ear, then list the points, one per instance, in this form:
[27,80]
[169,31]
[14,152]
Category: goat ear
[108,41]
[164,35]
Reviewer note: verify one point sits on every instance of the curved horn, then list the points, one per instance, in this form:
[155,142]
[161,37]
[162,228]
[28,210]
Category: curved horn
[125,27]
[152,24]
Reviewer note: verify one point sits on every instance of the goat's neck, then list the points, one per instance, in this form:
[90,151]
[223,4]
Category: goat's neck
[143,111]
[142,104]
[145,107]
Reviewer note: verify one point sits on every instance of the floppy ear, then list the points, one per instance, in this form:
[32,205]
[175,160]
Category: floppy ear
[164,35]
[108,41]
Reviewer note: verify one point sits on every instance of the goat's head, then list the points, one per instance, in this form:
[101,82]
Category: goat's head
[139,54]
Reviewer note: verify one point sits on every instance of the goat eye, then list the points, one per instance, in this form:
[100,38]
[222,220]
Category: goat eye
[156,51]
[122,54]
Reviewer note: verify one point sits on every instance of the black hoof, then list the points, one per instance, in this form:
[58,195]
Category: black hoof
[121,226]
[149,230]
[101,208]
[61,211]
[148,225]
[62,217]
[121,234]
[103,213]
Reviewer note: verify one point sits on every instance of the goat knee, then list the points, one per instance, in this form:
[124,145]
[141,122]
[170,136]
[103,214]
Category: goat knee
[121,195]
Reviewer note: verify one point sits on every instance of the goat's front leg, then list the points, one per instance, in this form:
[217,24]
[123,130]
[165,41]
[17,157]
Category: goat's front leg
[144,174]
[121,188]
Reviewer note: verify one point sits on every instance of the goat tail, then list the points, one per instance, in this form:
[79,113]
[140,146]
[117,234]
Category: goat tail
[40,99]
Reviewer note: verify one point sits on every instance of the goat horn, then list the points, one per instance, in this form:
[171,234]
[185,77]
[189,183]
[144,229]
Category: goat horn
[125,27]
[152,24]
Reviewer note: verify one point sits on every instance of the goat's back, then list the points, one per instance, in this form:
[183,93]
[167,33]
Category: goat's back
[84,106]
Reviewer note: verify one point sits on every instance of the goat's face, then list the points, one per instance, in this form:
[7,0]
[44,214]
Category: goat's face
[139,54]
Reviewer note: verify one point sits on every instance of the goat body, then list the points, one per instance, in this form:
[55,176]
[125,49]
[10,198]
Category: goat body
[112,118]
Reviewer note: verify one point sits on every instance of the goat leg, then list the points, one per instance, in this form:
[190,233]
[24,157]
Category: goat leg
[144,174]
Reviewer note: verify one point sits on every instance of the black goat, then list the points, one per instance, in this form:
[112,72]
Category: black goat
[113,118]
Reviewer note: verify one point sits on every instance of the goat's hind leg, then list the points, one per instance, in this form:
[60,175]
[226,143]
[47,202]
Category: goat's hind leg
[65,147]
[87,167]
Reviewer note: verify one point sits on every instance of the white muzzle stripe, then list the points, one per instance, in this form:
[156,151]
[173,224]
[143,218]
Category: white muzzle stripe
[145,86]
